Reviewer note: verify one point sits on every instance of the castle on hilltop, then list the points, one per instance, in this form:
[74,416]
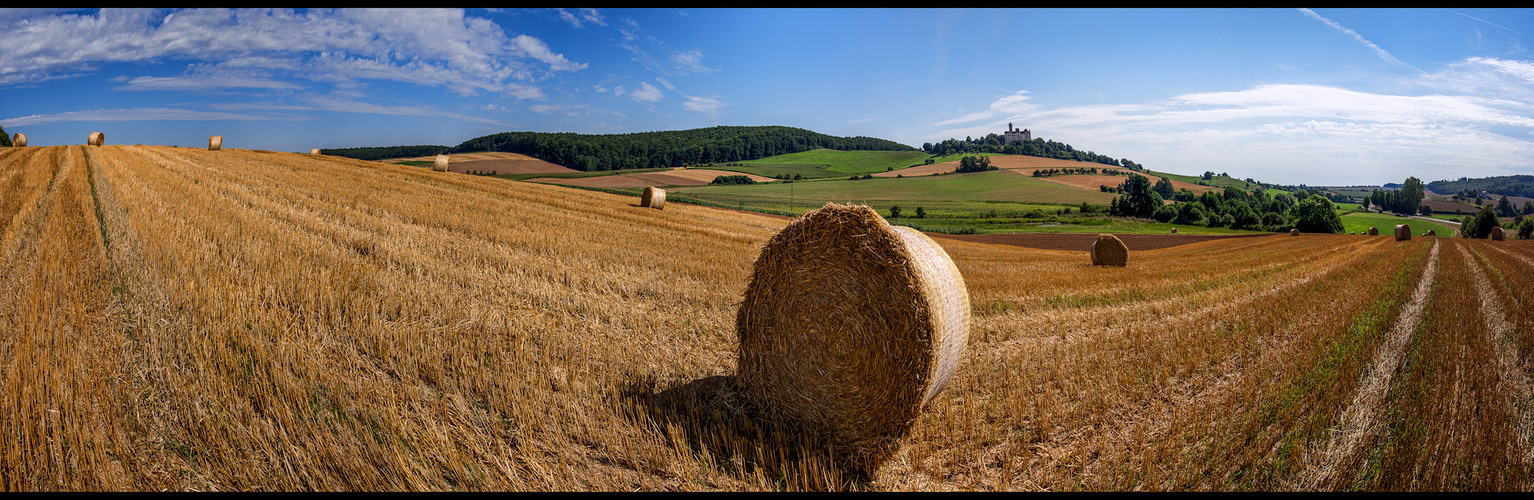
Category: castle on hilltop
[1013,135]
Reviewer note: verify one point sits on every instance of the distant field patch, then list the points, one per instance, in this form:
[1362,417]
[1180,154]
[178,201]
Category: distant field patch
[674,177]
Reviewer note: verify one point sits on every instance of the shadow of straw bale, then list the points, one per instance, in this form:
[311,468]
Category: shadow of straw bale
[724,430]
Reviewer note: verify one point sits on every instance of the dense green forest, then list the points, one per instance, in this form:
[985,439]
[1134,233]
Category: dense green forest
[993,143]
[669,148]
[385,152]
[1507,185]
[5,139]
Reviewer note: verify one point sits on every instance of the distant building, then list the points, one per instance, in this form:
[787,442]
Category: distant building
[1013,135]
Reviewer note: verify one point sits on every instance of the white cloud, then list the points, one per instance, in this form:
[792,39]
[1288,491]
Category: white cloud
[430,47]
[1472,118]
[646,93]
[692,61]
[135,114]
[582,16]
[705,105]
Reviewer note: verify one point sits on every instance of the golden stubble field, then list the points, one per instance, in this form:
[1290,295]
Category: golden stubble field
[183,319]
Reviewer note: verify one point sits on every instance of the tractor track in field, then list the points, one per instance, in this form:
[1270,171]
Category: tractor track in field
[1362,419]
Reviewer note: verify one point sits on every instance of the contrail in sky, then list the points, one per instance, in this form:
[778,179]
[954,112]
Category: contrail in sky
[1377,50]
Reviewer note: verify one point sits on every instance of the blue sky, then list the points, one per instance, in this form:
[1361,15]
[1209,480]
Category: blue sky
[1322,96]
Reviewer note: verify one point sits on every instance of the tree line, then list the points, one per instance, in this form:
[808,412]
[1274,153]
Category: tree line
[1507,185]
[1233,208]
[994,143]
[721,144]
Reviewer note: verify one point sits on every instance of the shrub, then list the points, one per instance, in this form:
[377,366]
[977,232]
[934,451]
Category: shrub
[894,211]
[1526,230]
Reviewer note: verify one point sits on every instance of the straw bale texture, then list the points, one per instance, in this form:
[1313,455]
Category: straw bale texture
[653,197]
[1430,232]
[1497,234]
[441,165]
[96,139]
[1403,232]
[1374,232]
[215,142]
[19,140]
[1294,232]
[314,151]
[1109,250]
[849,327]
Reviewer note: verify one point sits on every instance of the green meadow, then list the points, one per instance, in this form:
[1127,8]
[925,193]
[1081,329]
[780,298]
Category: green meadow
[825,163]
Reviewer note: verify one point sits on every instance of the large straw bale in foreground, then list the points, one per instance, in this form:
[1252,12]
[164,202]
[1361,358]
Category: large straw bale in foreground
[18,140]
[215,142]
[1109,250]
[1497,234]
[1403,232]
[441,165]
[849,327]
[96,139]
[653,197]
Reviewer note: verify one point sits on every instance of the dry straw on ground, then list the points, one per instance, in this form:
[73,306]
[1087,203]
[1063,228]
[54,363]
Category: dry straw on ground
[215,142]
[653,197]
[19,140]
[849,327]
[441,164]
[1109,250]
[1294,232]
[96,139]
[1403,232]
[1497,234]
[1374,231]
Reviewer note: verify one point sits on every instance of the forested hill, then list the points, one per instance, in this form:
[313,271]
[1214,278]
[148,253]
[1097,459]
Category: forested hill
[668,148]
[1507,185]
[385,152]
[993,143]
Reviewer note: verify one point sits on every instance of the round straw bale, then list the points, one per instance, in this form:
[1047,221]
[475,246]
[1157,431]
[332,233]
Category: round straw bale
[96,139]
[1497,234]
[1174,230]
[441,165]
[1294,232]
[314,151]
[1352,232]
[1403,232]
[849,327]
[19,140]
[1430,232]
[653,197]
[1374,231]
[1109,250]
[215,142]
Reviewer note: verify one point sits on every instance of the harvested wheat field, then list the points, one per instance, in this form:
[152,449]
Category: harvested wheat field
[184,319]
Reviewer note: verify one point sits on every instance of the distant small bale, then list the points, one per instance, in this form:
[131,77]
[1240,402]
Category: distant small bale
[314,151]
[1374,231]
[215,142]
[1109,250]
[1403,232]
[653,197]
[849,327]
[1430,232]
[96,139]
[441,165]
[19,140]
[1294,232]
[1352,232]
[1174,230]
[1497,234]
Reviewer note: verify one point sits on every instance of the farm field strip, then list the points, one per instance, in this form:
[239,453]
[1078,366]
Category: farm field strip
[1449,424]
[1512,369]
[1362,418]
[1080,426]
